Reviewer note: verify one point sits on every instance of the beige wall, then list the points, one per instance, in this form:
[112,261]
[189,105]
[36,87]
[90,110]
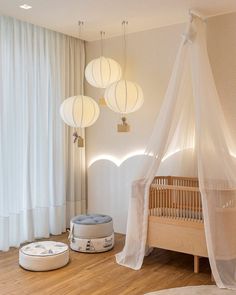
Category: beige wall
[150,57]
[222,53]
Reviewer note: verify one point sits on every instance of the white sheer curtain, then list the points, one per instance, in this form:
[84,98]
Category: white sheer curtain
[191,117]
[41,171]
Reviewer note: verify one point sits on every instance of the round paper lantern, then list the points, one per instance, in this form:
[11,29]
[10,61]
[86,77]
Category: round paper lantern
[124,97]
[102,71]
[79,111]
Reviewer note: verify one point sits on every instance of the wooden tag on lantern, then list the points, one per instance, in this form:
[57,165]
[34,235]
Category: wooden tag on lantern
[124,127]
[80,141]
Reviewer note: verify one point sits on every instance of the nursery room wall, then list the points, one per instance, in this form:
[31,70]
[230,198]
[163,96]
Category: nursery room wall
[113,159]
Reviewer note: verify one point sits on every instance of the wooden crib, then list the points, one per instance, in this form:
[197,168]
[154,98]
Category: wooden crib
[175,216]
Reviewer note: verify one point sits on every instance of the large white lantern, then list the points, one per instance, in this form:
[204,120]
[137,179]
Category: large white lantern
[79,111]
[102,71]
[124,96]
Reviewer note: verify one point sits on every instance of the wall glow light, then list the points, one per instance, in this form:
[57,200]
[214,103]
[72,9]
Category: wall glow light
[172,153]
[232,154]
[117,161]
[25,6]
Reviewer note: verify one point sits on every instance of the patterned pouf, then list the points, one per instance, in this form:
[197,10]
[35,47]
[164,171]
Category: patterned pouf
[91,233]
[43,256]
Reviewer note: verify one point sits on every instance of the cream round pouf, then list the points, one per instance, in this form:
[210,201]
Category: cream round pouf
[43,256]
[91,233]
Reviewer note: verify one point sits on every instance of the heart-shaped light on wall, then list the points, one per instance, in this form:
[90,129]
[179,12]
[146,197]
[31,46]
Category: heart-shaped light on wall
[79,111]
[124,96]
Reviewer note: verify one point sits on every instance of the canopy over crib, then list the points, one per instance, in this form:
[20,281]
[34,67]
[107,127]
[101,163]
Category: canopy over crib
[191,119]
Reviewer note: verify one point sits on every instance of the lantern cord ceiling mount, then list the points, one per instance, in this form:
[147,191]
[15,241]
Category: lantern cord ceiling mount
[102,71]
[102,35]
[80,25]
[77,138]
[79,111]
[124,96]
[124,25]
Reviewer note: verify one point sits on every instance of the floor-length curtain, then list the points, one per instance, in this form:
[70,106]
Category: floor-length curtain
[74,156]
[41,172]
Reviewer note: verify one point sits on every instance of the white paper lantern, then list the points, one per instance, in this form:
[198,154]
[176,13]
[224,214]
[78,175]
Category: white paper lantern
[124,97]
[79,111]
[102,71]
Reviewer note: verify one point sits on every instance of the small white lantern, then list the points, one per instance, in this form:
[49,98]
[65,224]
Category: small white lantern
[79,111]
[124,96]
[102,71]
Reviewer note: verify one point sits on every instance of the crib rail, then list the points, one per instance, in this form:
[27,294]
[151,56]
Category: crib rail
[175,197]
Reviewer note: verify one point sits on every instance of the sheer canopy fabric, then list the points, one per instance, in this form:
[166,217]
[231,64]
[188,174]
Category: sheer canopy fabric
[41,172]
[191,123]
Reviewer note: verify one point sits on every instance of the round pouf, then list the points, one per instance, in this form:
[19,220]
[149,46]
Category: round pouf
[43,256]
[91,233]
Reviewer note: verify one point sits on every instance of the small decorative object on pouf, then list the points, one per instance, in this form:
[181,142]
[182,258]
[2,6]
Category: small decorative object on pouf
[91,233]
[44,256]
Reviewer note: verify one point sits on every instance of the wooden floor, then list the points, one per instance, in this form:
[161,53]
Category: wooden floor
[99,274]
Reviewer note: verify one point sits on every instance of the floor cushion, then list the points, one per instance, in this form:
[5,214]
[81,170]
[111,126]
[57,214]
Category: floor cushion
[43,256]
[91,233]
[91,226]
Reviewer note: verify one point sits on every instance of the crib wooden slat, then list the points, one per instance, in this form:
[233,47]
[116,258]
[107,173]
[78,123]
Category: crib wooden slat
[156,202]
[176,198]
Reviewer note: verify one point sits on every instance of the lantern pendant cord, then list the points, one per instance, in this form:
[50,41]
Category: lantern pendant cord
[102,34]
[124,24]
[80,24]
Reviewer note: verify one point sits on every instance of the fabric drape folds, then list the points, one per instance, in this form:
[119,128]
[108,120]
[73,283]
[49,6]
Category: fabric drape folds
[41,171]
[191,123]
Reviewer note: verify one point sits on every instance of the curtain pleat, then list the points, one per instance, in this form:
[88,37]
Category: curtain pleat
[42,173]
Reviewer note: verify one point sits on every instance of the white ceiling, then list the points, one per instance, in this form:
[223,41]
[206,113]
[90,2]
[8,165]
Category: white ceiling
[107,15]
